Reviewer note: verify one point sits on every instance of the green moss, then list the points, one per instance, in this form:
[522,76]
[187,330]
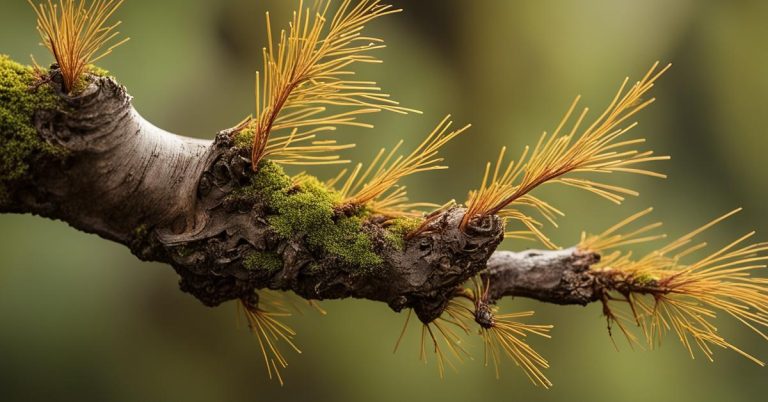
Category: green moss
[271,262]
[270,180]
[644,279]
[183,251]
[141,232]
[244,138]
[398,228]
[20,143]
[307,209]
[97,71]
[347,240]
[403,226]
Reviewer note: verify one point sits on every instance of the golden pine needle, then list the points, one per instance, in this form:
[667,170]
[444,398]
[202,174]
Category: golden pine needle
[377,186]
[76,33]
[317,307]
[289,302]
[441,331]
[396,204]
[666,295]
[306,73]
[532,226]
[506,333]
[598,149]
[265,324]
[393,204]
[612,238]
[286,151]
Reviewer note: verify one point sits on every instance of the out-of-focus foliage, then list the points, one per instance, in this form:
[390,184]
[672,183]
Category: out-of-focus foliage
[83,319]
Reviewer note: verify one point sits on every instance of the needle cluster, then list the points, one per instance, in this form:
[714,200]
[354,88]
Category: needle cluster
[76,33]
[599,148]
[306,88]
[664,293]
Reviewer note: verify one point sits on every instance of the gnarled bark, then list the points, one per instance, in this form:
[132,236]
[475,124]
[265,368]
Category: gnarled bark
[170,199]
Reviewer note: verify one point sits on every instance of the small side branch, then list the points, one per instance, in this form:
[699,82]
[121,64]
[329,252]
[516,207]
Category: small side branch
[552,276]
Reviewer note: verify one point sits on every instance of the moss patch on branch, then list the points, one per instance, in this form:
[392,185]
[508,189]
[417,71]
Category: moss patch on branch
[244,138]
[307,209]
[97,71]
[20,99]
[398,228]
[271,262]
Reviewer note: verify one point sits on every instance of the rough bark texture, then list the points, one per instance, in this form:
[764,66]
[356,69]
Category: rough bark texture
[560,276]
[177,200]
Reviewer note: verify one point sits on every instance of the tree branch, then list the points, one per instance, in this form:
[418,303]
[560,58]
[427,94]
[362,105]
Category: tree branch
[552,276]
[198,206]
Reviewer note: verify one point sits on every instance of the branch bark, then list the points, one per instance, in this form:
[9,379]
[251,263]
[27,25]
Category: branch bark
[175,200]
[552,276]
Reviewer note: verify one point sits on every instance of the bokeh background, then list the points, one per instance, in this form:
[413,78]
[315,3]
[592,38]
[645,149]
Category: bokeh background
[82,319]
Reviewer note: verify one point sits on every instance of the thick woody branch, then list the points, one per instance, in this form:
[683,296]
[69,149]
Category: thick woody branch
[195,205]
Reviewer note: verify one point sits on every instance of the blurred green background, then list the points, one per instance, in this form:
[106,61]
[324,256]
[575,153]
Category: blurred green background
[82,319]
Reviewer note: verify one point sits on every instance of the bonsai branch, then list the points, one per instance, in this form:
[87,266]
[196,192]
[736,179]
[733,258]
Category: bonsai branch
[227,231]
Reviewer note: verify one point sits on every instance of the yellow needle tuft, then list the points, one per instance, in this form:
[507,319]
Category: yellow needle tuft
[377,186]
[506,333]
[664,294]
[305,84]
[264,321]
[442,333]
[76,33]
[598,149]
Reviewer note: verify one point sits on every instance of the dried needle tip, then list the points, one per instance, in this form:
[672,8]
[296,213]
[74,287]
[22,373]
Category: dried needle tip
[76,31]
[660,293]
[599,148]
[263,313]
[442,334]
[506,332]
[500,333]
[306,83]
